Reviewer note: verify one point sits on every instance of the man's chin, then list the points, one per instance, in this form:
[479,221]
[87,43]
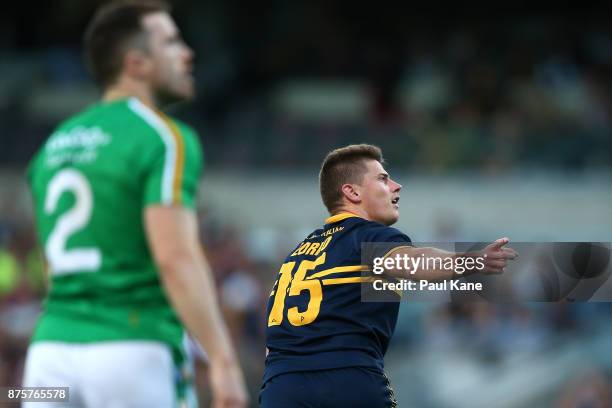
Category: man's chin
[390,220]
[185,93]
[394,218]
[170,97]
[188,94]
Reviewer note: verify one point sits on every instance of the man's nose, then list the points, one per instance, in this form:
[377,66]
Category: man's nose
[396,186]
[188,52]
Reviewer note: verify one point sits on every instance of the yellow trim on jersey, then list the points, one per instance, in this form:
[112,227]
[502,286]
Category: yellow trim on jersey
[338,269]
[340,281]
[179,164]
[339,217]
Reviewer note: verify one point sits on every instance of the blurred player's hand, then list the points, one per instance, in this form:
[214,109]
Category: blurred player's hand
[227,385]
[497,256]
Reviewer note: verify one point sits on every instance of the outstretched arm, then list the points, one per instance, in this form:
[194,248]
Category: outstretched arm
[430,265]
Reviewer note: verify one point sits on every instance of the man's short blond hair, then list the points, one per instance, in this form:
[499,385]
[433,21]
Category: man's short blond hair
[342,166]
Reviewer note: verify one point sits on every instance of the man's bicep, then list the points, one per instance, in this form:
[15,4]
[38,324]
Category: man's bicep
[171,232]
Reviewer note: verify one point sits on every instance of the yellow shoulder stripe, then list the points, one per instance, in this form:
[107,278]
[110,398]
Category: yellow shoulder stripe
[338,269]
[340,281]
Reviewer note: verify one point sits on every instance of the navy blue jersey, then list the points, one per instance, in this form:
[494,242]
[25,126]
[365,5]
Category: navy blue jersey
[316,318]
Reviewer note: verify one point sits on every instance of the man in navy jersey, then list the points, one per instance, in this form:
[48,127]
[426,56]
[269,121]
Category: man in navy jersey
[325,345]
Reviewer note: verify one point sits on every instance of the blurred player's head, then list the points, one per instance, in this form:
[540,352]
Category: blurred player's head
[136,43]
[353,179]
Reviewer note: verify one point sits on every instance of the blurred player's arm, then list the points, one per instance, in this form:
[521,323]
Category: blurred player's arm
[173,237]
[495,261]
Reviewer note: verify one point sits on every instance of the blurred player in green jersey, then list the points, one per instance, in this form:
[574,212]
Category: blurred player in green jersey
[114,191]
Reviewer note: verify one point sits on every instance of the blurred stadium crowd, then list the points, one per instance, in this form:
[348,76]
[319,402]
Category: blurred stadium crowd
[278,90]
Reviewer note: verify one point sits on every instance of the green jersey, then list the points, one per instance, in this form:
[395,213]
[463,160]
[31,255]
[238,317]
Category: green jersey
[91,182]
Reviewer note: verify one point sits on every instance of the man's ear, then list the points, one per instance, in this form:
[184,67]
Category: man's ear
[352,193]
[136,64]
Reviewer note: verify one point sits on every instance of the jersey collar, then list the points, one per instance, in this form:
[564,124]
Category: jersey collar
[339,217]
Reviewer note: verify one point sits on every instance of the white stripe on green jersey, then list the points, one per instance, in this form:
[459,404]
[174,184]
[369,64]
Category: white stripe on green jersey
[165,133]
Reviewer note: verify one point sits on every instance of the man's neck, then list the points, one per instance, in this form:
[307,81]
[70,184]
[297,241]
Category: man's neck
[127,89]
[352,210]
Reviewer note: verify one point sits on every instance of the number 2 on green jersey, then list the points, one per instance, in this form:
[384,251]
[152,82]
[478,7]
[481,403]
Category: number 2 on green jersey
[62,260]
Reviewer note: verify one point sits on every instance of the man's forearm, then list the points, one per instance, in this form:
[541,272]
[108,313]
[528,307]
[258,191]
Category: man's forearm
[429,264]
[436,265]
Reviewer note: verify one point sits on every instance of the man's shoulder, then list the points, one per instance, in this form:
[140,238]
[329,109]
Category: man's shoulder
[103,129]
[188,134]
